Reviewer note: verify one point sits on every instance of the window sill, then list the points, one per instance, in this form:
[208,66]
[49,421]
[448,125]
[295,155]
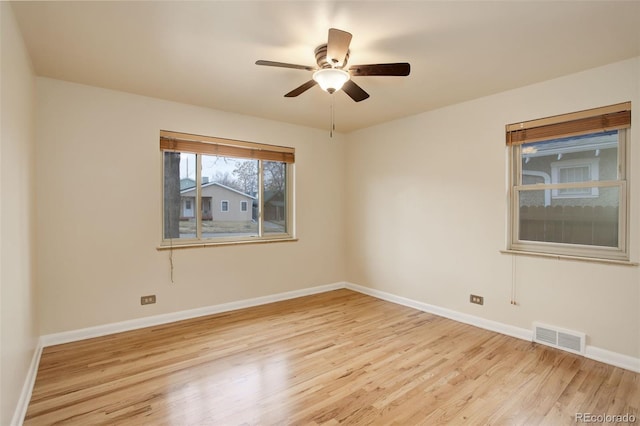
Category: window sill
[569,257]
[177,246]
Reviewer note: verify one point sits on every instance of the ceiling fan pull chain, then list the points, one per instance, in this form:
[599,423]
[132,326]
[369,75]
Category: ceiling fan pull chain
[333,116]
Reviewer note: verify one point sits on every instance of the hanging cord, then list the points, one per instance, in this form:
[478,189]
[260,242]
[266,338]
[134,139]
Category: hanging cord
[171,258]
[513,280]
[171,248]
[333,116]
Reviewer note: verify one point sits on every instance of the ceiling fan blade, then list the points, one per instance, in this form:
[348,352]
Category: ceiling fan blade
[354,91]
[397,69]
[301,89]
[284,65]
[337,46]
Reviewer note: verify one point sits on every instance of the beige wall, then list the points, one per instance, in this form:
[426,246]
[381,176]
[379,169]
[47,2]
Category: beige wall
[426,214]
[96,259]
[19,331]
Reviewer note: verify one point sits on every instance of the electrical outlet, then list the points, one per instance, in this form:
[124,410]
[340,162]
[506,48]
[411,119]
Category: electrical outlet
[148,300]
[478,300]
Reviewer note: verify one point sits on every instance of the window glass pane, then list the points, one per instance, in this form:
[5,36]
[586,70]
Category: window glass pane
[179,195]
[274,205]
[586,221]
[227,183]
[584,158]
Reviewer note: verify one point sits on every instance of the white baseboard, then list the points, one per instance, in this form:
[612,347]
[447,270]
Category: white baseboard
[613,358]
[592,352]
[25,395]
[595,353]
[509,330]
[118,327]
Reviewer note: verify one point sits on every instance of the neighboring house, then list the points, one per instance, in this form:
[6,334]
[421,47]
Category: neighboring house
[219,202]
[577,159]
[274,206]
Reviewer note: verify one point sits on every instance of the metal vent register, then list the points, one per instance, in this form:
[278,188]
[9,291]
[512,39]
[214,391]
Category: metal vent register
[568,340]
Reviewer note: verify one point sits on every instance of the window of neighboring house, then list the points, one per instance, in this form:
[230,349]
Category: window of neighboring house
[569,192]
[573,171]
[199,169]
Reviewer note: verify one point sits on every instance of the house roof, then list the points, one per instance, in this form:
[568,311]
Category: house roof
[186,183]
[205,185]
[458,50]
[273,196]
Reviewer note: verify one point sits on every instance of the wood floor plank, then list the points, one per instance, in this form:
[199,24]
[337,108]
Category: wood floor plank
[334,358]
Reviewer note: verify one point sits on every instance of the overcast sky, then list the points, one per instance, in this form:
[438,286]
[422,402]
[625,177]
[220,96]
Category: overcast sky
[210,166]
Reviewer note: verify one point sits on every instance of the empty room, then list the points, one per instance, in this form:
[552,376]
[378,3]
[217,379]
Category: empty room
[320,212]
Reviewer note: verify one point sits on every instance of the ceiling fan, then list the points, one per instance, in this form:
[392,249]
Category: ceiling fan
[332,73]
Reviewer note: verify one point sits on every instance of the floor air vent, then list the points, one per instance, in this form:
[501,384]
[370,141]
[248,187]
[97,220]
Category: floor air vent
[572,341]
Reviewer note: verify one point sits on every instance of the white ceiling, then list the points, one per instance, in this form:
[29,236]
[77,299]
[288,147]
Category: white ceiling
[203,53]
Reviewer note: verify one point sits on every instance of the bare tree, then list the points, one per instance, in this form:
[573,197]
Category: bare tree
[227,180]
[172,195]
[274,176]
[246,173]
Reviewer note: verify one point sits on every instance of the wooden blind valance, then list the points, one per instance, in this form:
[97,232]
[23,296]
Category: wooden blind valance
[208,145]
[612,117]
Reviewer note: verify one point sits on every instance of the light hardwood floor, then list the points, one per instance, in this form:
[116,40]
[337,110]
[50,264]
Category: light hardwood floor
[336,357]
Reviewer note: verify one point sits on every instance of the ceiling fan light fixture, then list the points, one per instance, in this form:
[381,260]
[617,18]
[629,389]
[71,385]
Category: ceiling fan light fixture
[331,79]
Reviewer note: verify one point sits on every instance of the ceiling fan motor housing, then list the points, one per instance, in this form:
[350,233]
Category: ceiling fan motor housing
[323,62]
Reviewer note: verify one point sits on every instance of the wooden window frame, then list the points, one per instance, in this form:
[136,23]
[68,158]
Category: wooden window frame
[518,135]
[171,141]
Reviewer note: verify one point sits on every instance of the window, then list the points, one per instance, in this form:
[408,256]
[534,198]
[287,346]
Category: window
[573,171]
[568,190]
[201,172]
